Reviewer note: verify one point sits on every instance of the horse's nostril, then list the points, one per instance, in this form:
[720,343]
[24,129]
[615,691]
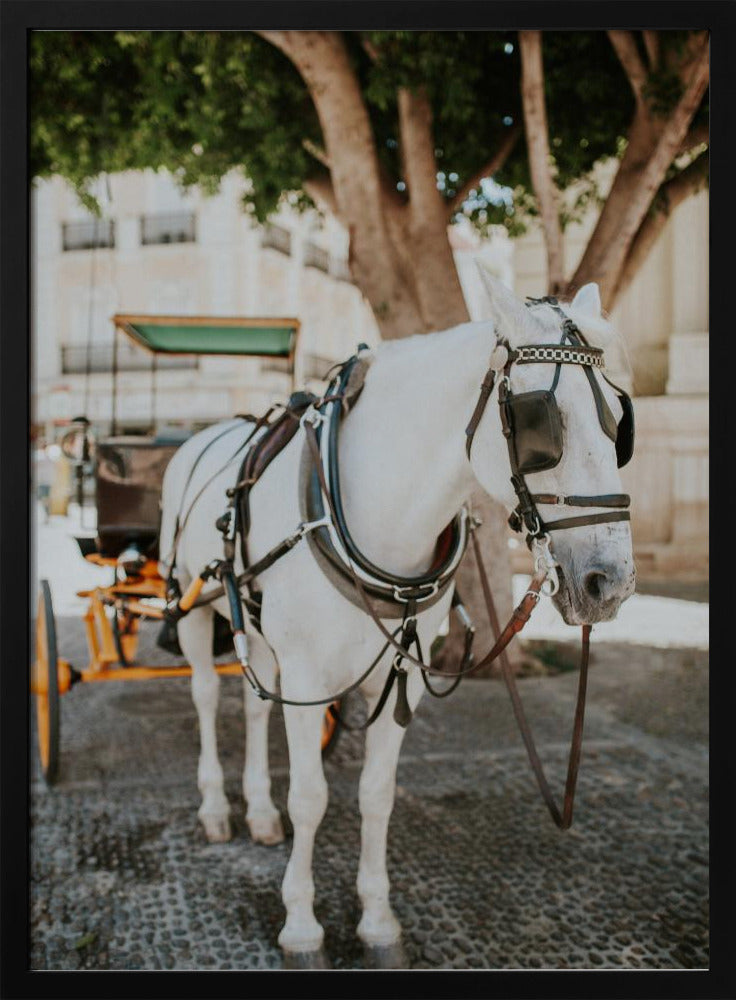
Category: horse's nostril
[594,584]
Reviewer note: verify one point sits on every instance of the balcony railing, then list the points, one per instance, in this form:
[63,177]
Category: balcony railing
[276,238]
[88,234]
[168,227]
[74,359]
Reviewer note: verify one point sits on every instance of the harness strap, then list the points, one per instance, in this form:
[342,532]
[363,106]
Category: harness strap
[603,500]
[486,388]
[578,522]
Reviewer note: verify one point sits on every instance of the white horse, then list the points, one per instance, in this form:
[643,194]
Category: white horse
[404,476]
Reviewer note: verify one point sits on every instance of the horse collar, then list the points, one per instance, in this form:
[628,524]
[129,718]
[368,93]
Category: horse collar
[332,543]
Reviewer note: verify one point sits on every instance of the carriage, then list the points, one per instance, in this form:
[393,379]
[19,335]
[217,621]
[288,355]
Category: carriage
[127,473]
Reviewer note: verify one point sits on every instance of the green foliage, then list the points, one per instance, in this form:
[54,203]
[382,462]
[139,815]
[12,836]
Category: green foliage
[196,103]
[202,103]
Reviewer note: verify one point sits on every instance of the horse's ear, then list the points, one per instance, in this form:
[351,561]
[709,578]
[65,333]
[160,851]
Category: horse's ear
[588,300]
[507,312]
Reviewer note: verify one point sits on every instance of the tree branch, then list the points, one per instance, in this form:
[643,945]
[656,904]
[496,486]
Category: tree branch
[440,298]
[670,195]
[682,63]
[651,42]
[624,44]
[417,147]
[317,152]
[369,48]
[322,60]
[537,138]
[494,164]
[605,262]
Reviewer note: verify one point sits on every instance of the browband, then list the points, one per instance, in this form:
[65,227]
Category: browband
[558,354]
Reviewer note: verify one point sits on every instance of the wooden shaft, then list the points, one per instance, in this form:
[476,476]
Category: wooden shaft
[192,593]
[153,673]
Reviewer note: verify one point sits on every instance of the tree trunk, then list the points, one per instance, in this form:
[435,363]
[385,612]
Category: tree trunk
[437,284]
[672,194]
[400,255]
[639,178]
[537,140]
[323,62]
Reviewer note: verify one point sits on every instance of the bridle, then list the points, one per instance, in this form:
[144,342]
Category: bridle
[532,426]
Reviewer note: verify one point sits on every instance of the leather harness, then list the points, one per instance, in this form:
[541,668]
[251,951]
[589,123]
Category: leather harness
[385,595]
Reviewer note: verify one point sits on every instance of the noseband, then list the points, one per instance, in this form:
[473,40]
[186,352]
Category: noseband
[532,427]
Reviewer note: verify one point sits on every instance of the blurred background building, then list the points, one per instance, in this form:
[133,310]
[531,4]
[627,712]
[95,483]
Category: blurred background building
[159,250]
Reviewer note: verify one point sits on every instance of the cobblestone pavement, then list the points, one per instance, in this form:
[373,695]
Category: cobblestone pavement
[122,877]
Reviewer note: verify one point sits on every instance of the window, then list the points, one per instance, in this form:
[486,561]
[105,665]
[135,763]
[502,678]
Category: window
[315,256]
[88,234]
[282,365]
[168,227]
[74,359]
[277,238]
[316,366]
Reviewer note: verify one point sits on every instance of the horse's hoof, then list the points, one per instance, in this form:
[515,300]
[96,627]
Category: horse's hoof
[386,956]
[266,829]
[306,959]
[216,828]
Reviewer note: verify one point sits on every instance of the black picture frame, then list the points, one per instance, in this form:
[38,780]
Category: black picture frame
[17,18]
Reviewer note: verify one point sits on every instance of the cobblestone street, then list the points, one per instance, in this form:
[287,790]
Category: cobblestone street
[122,877]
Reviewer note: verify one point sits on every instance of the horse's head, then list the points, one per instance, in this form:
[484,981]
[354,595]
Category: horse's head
[568,430]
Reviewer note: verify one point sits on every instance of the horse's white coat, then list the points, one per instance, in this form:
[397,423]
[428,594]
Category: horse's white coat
[404,475]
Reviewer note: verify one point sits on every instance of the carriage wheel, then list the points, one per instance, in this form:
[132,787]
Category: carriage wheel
[46,686]
[330,730]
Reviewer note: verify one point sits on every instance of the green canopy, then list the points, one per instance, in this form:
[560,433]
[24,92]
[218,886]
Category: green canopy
[263,337]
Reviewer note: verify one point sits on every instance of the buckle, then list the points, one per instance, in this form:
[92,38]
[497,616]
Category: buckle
[313,417]
[434,587]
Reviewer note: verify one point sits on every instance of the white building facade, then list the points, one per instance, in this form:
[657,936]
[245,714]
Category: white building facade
[161,251]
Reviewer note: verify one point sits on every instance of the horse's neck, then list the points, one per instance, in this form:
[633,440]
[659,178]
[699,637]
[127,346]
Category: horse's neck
[404,473]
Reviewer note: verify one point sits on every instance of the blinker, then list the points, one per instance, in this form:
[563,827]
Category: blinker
[536,430]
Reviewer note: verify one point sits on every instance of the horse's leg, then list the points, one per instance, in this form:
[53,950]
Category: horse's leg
[301,936]
[262,816]
[195,638]
[379,929]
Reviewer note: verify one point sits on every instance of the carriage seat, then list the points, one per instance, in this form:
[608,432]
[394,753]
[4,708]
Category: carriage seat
[129,473]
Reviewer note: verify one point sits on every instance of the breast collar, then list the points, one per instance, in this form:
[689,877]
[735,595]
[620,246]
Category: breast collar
[333,545]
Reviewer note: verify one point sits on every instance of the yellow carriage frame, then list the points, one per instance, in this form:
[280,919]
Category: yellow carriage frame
[112,649]
[110,658]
